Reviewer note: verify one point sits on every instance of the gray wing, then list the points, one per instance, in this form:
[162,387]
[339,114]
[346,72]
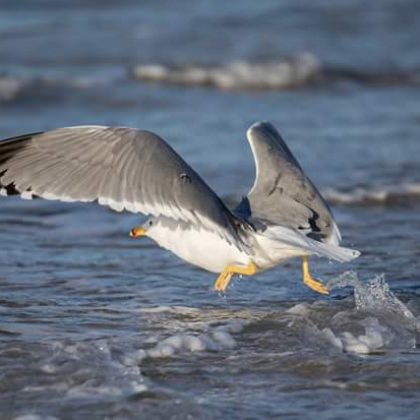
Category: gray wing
[123,168]
[282,194]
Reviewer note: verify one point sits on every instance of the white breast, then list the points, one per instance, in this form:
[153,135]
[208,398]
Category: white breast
[199,247]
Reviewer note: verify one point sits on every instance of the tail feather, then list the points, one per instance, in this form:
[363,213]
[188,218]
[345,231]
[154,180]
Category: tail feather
[295,239]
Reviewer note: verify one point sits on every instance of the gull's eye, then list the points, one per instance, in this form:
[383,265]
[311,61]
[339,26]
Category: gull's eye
[150,223]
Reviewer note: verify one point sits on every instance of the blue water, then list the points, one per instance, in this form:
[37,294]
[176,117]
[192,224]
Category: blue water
[86,312]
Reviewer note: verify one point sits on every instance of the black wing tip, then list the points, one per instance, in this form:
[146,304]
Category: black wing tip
[20,138]
[10,189]
[8,148]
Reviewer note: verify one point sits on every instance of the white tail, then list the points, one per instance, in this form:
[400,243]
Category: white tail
[295,239]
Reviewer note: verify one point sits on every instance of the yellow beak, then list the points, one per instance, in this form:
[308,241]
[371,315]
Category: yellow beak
[137,232]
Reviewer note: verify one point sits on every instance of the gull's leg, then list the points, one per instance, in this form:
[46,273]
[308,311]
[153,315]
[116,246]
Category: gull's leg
[223,280]
[309,280]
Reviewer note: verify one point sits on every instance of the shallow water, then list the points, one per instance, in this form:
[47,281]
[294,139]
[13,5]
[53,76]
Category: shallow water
[97,325]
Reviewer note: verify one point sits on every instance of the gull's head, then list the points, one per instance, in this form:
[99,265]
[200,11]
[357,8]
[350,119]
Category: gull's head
[146,229]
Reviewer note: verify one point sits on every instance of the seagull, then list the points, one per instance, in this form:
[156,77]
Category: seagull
[282,217]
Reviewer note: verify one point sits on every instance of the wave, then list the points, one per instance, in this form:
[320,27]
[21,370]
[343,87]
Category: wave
[217,339]
[10,87]
[293,72]
[388,195]
[287,338]
[17,87]
[300,70]
[198,334]
[387,322]
[381,77]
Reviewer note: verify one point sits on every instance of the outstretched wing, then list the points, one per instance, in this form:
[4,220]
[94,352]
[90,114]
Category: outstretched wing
[123,168]
[282,194]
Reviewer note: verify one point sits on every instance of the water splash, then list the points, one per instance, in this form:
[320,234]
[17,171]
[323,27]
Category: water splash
[377,323]
[374,296]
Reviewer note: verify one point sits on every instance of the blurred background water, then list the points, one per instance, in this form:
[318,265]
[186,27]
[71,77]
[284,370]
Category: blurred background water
[95,325]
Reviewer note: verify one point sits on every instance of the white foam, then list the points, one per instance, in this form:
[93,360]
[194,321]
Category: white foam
[354,345]
[286,73]
[376,337]
[83,391]
[10,87]
[299,309]
[215,339]
[380,195]
[34,417]
[101,373]
[332,338]
[170,309]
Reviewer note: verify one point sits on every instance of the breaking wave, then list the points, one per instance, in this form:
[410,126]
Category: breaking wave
[297,71]
[18,87]
[294,72]
[10,87]
[388,195]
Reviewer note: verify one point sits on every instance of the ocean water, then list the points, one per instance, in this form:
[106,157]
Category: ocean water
[94,324]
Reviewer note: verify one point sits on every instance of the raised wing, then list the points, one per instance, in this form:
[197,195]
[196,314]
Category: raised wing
[123,168]
[282,194]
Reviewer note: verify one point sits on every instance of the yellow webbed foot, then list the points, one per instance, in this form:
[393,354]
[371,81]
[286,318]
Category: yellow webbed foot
[223,280]
[315,285]
[310,281]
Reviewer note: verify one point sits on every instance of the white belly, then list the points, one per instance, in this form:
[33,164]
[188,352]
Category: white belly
[201,248]
[209,251]
[269,253]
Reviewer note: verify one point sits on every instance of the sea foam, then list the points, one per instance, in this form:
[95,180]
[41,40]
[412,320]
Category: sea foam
[388,194]
[215,338]
[290,72]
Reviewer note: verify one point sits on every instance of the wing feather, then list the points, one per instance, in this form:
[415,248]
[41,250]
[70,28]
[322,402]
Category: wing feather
[282,194]
[123,168]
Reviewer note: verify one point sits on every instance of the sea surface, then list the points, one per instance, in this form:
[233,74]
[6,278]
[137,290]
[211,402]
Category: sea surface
[95,325]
